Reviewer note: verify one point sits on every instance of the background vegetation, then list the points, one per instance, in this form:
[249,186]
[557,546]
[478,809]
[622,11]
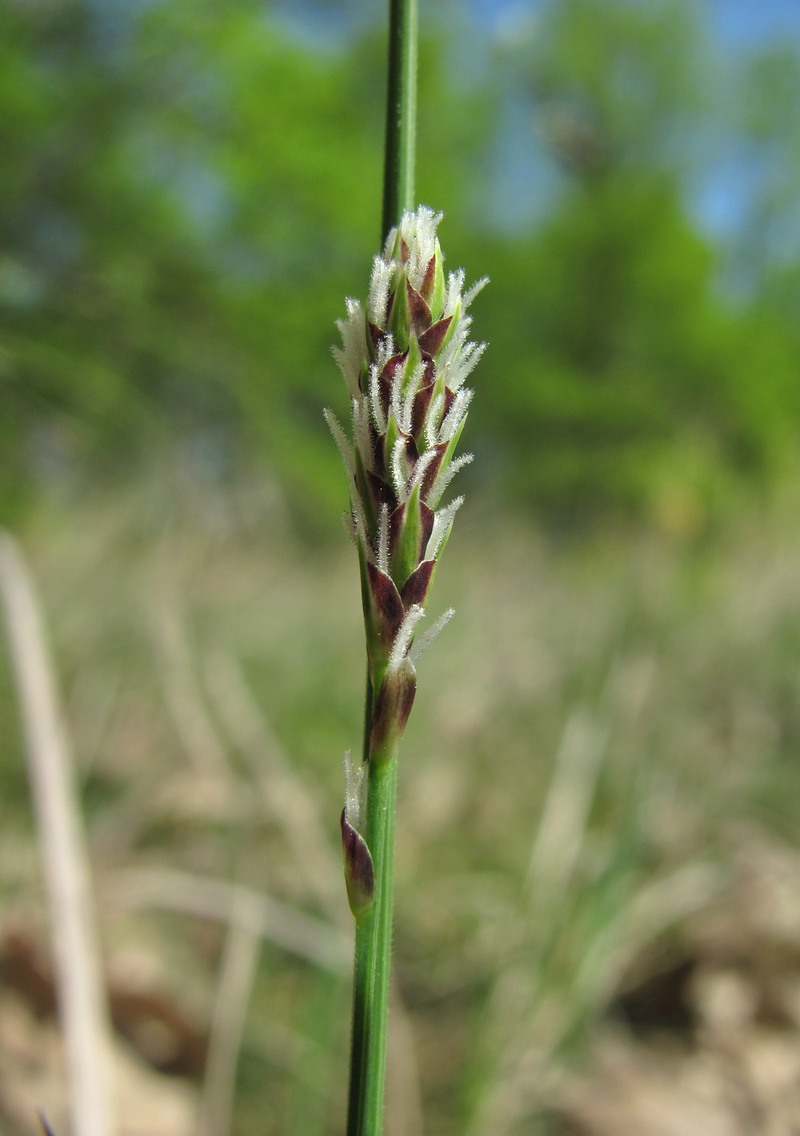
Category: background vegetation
[598,790]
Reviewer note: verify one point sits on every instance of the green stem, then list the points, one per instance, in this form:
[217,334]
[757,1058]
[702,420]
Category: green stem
[401,112]
[373,953]
[373,961]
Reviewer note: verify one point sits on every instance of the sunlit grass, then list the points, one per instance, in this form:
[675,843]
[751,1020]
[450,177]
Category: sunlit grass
[615,717]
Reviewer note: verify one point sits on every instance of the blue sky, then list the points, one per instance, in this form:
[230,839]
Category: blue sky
[526,180]
[738,21]
[721,199]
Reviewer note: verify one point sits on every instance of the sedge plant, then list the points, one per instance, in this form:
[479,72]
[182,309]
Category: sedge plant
[405,356]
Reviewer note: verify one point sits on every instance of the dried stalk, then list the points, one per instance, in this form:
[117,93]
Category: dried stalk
[81,997]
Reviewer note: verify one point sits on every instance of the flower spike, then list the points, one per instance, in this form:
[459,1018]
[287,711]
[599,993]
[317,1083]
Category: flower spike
[405,356]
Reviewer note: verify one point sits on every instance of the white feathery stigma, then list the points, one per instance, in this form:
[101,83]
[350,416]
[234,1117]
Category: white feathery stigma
[420,469]
[396,397]
[384,351]
[378,417]
[360,526]
[472,292]
[411,384]
[349,522]
[342,444]
[441,527]
[378,296]
[456,414]
[455,282]
[382,550]
[355,789]
[421,239]
[444,477]
[421,645]
[404,636]
[431,419]
[353,352]
[361,432]
[398,469]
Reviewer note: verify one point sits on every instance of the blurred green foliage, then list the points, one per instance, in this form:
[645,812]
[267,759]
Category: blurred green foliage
[188,194]
[190,191]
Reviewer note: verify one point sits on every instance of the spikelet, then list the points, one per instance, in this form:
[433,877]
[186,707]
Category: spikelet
[405,356]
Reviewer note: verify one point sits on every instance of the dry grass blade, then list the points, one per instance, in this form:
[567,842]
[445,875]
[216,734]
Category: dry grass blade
[562,827]
[237,971]
[285,797]
[193,725]
[66,868]
[525,1018]
[315,940]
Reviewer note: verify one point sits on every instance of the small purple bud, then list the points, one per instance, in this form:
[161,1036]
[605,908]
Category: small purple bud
[429,278]
[386,605]
[392,708]
[359,871]
[378,493]
[433,469]
[422,401]
[419,312]
[387,376]
[415,589]
[431,340]
[376,335]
